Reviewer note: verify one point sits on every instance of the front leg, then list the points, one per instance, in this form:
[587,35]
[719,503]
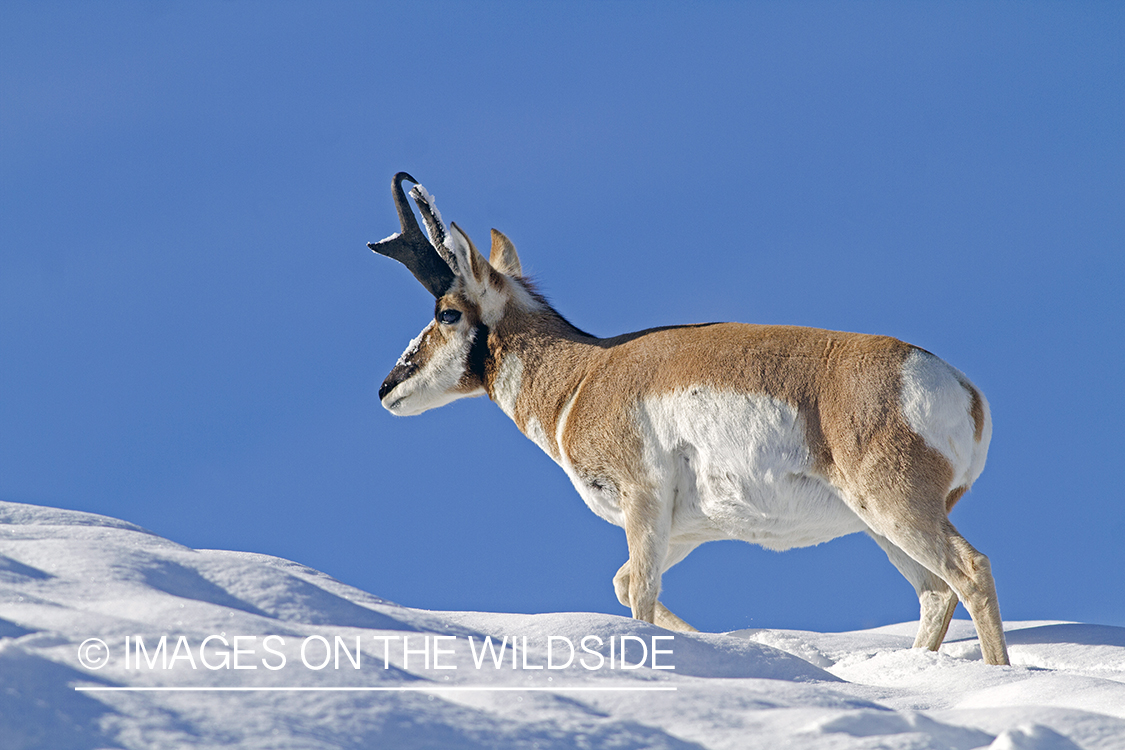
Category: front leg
[664,617]
[647,529]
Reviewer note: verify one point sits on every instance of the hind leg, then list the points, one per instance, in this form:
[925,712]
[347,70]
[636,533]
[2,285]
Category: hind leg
[909,510]
[937,601]
[933,542]
[970,574]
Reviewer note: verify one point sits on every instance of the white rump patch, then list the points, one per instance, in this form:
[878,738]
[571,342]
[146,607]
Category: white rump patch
[939,408]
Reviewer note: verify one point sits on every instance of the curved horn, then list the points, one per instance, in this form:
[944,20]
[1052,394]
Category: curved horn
[410,247]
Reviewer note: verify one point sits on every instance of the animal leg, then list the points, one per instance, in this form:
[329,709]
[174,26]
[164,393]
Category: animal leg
[970,575]
[621,583]
[666,619]
[937,601]
[662,616]
[932,541]
[648,525]
[623,579]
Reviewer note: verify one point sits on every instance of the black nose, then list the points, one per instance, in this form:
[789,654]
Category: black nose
[387,386]
[400,373]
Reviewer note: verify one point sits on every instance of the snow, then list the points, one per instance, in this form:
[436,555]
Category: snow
[246,635]
[435,226]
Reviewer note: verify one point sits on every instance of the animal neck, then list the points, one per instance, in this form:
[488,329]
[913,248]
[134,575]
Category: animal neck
[539,363]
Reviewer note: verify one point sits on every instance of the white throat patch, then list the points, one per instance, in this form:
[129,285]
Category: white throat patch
[509,380]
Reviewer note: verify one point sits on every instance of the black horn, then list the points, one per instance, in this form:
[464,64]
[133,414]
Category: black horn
[410,247]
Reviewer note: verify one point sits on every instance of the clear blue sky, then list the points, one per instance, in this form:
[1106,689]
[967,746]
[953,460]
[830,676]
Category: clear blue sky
[193,332]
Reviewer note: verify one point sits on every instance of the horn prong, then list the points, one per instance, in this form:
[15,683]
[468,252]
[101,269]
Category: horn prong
[411,247]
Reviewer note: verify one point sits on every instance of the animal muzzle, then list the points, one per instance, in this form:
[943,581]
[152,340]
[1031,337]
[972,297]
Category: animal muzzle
[396,376]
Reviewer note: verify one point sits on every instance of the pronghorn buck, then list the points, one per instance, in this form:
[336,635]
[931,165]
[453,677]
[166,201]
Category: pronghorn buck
[777,435]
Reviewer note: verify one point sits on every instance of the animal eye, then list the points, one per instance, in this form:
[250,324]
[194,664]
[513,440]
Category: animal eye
[449,316]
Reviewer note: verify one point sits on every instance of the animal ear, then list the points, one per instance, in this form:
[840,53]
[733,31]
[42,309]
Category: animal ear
[470,262]
[503,256]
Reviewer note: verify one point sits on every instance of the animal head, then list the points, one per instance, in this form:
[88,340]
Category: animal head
[447,360]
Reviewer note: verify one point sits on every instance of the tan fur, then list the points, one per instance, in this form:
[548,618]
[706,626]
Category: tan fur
[503,255]
[827,375]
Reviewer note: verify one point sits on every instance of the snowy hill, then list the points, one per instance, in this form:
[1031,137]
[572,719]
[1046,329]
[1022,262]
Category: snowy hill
[207,648]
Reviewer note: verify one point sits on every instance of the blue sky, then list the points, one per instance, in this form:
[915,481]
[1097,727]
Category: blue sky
[193,332]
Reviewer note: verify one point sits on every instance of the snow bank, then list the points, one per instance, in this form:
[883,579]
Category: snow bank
[111,636]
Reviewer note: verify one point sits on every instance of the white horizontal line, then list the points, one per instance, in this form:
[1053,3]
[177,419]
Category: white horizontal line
[420,689]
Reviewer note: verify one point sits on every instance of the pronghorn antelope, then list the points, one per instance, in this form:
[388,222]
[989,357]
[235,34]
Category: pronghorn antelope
[777,435]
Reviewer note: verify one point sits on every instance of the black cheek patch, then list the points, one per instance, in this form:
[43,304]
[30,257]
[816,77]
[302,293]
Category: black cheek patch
[479,354]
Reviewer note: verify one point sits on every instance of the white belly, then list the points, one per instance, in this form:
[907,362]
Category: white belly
[739,467]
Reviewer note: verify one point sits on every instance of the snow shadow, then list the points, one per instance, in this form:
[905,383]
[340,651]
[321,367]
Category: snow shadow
[874,723]
[275,593]
[718,656]
[295,600]
[9,629]
[265,592]
[39,707]
[416,722]
[1070,632]
[708,655]
[11,571]
[186,583]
